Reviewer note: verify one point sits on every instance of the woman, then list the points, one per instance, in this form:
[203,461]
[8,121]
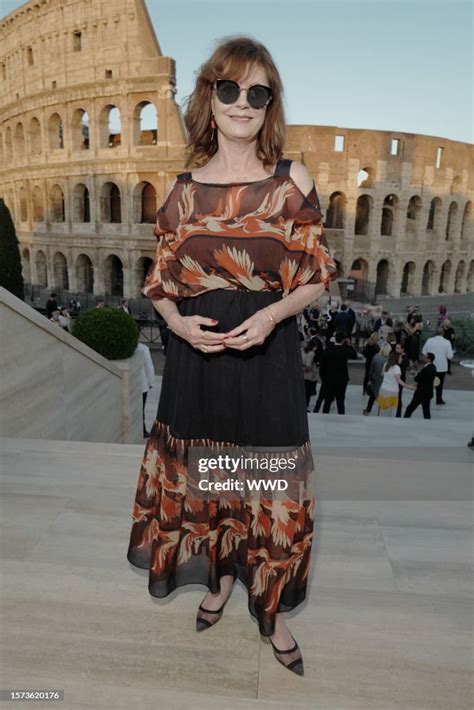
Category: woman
[375,375]
[241,251]
[371,348]
[413,327]
[387,398]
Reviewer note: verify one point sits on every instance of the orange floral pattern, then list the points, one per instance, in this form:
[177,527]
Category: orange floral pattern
[264,541]
[259,236]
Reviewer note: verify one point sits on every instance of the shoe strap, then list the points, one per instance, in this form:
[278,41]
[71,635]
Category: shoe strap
[290,650]
[208,611]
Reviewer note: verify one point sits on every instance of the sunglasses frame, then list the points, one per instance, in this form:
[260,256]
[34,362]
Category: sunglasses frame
[268,88]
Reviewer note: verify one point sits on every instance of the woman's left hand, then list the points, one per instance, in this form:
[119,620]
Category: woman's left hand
[252,331]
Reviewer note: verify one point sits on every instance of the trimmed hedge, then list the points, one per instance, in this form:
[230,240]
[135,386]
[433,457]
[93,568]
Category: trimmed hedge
[109,331]
[463,336]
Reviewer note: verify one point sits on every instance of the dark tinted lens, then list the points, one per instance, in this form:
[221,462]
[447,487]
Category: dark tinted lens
[258,96]
[227,91]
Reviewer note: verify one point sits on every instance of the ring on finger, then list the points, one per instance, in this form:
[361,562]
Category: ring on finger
[204,349]
[246,339]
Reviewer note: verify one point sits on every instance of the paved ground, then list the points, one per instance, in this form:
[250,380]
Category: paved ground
[387,624]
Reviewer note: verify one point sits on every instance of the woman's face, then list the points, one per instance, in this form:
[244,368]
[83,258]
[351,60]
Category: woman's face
[239,121]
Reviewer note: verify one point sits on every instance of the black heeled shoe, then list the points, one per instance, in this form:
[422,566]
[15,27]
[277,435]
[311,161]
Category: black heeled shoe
[202,622]
[293,657]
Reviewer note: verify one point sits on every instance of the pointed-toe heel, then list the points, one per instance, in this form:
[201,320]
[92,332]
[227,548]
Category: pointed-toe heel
[203,623]
[291,658]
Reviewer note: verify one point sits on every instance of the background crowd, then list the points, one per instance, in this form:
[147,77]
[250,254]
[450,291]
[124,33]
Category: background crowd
[389,349]
[391,352]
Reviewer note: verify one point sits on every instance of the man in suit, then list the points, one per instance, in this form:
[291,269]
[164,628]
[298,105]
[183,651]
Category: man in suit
[379,322]
[424,389]
[334,371]
[343,321]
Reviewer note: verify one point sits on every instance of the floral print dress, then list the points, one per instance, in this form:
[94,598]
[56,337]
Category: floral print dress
[225,251]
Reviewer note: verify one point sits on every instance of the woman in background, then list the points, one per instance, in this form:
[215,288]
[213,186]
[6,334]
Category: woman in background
[387,398]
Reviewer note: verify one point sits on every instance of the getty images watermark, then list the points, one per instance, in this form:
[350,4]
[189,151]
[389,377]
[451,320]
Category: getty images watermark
[247,471]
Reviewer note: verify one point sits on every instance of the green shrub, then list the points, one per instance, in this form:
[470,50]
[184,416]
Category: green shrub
[110,332]
[463,336]
[11,277]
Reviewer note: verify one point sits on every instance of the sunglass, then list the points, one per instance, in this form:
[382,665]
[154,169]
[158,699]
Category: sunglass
[228,92]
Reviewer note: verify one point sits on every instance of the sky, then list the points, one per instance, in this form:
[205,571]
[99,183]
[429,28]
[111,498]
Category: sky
[376,64]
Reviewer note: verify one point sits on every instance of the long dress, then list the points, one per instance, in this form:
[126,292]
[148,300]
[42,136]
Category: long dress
[225,251]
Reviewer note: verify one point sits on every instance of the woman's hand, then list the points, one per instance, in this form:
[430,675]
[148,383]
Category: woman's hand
[252,331]
[189,328]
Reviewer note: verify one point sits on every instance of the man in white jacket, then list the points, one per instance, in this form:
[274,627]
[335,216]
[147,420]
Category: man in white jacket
[443,351]
[148,378]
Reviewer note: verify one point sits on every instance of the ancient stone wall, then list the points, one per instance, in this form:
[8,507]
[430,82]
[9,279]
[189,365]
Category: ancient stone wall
[83,178]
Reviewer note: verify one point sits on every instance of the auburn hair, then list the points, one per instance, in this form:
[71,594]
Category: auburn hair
[234,58]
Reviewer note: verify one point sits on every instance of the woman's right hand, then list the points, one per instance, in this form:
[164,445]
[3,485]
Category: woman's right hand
[189,328]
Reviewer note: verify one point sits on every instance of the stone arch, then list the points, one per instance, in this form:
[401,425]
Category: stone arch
[110,127]
[467,225]
[145,123]
[10,203]
[144,203]
[80,130]
[444,276]
[408,279]
[359,272]
[427,278]
[389,207]
[363,214]
[143,266]
[110,203]
[8,145]
[113,275]
[84,274]
[434,215]
[383,273]
[60,271]
[55,132]
[23,205]
[19,140]
[458,279]
[35,136]
[38,204]
[336,212]
[451,221]
[57,209]
[470,278]
[81,211]
[413,216]
[41,269]
[359,269]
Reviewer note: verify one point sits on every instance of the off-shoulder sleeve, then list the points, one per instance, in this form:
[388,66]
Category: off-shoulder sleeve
[160,281]
[310,261]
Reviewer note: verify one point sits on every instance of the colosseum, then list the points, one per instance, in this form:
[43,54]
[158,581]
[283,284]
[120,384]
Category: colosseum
[82,176]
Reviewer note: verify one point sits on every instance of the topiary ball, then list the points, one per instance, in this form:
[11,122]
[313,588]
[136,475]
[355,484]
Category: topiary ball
[110,332]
